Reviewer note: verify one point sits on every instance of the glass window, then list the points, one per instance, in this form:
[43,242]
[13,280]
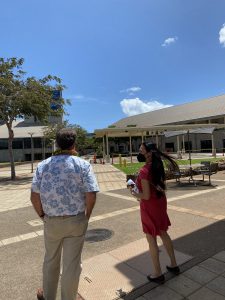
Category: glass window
[206,146]
[27,143]
[188,147]
[169,147]
[17,144]
[37,143]
[3,144]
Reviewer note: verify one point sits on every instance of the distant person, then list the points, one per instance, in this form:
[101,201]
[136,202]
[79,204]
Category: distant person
[63,194]
[150,189]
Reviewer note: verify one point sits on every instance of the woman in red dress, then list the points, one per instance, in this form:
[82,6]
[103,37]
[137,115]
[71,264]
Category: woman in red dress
[153,206]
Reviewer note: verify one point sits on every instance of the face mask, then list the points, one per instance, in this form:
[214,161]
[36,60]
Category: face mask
[141,157]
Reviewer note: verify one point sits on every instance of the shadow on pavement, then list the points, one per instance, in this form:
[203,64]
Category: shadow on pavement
[200,244]
[20,180]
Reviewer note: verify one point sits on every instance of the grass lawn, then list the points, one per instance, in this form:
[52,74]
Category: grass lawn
[133,168]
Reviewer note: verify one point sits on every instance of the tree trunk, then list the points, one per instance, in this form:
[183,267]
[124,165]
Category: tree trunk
[11,157]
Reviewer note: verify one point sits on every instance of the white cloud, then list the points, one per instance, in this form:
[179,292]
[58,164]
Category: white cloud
[78,97]
[131,90]
[222,35]
[136,106]
[83,99]
[170,40]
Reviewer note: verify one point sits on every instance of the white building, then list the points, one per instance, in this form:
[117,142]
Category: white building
[26,132]
[157,126]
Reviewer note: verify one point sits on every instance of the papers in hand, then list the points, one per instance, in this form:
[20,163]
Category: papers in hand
[130,182]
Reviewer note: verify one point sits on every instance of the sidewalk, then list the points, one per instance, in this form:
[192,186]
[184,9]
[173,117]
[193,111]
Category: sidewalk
[109,178]
[102,279]
[117,268]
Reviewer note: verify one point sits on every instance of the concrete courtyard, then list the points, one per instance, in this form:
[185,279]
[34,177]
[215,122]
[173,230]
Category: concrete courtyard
[115,267]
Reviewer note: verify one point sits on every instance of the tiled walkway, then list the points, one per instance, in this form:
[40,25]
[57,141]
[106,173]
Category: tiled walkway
[109,178]
[205,280]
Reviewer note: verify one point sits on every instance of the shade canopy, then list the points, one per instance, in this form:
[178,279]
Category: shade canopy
[208,130]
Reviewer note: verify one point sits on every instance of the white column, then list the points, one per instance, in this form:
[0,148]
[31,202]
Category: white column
[213,146]
[157,139]
[179,156]
[130,149]
[103,147]
[142,137]
[107,149]
[178,143]
[183,149]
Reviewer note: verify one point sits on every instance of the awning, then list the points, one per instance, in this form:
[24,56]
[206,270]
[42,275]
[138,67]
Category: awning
[208,130]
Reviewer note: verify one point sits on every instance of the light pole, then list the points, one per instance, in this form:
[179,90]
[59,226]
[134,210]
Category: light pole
[32,151]
[53,145]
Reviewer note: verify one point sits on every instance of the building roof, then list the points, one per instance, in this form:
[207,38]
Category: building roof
[197,110]
[22,129]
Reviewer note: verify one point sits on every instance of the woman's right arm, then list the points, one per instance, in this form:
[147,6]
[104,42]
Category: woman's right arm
[145,189]
[145,194]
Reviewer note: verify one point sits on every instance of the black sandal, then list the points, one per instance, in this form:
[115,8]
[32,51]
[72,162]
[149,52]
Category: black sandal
[160,279]
[174,270]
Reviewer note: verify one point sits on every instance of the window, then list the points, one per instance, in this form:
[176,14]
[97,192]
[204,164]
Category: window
[169,147]
[206,146]
[3,144]
[27,143]
[37,143]
[223,145]
[188,147]
[17,144]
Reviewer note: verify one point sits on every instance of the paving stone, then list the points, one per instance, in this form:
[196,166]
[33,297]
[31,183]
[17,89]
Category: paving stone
[213,265]
[140,298]
[217,285]
[220,256]
[205,294]
[162,293]
[104,277]
[200,275]
[183,285]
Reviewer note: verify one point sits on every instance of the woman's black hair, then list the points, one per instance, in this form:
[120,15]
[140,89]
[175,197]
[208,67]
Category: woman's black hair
[157,169]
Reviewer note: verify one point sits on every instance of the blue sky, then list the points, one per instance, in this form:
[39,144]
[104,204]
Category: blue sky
[119,57]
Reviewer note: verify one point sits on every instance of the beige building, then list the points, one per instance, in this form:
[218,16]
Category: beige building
[204,120]
[28,139]
[166,127]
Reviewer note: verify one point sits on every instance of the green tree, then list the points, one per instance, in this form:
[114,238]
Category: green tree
[81,141]
[21,95]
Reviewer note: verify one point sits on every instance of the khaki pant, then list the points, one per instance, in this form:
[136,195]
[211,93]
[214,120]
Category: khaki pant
[65,233]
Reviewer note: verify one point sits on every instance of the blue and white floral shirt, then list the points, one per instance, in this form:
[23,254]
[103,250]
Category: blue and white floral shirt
[62,182]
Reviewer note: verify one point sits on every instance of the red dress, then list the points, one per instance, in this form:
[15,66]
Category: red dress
[154,216]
